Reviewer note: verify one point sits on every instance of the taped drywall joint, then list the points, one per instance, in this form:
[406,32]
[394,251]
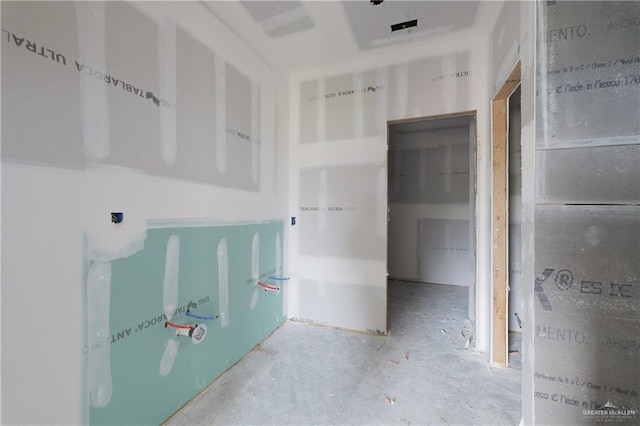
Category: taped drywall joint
[255,258]
[221,114]
[450,85]
[171,271]
[94,111]
[358,106]
[167,70]
[381,202]
[278,243]
[169,357]
[255,132]
[321,112]
[223,282]
[99,378]
[323,199]
[402,90]
[382,80]
[254,299]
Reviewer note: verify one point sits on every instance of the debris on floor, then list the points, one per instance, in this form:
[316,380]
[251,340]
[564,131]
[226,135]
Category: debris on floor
[467,333]
[317,366]
[394,362]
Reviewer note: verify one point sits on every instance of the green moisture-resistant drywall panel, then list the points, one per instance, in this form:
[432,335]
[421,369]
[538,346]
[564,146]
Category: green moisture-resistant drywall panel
[141,393]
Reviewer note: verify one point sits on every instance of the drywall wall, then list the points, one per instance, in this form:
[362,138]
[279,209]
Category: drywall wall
[156,111]
[587,219]
[505,42]
[431,221]
[515,212]
[512,39]
[338,125]
[140,372]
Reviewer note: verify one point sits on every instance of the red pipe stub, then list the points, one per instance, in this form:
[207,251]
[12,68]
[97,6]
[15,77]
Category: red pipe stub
[268,286]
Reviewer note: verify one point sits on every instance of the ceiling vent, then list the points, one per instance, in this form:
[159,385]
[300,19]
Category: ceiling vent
[404,25]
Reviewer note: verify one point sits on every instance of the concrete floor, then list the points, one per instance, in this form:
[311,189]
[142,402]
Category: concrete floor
[419,374]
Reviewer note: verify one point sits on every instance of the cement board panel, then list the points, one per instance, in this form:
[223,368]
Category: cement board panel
[585,363]
[587,317]
[588,75]
[593,175]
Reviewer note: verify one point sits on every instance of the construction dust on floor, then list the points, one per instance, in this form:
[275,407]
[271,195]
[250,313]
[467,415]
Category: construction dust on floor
[420,373]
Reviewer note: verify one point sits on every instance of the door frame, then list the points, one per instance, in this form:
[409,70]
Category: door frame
[473,160]
[500,217]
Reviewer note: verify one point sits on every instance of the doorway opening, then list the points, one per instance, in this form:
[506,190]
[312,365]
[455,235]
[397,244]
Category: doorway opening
[505,214]
[431,228]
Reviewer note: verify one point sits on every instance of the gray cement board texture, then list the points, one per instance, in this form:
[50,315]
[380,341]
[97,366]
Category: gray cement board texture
[588,79]
[587,319]
[592,175]
[515,277]
[587,261]
[304,374]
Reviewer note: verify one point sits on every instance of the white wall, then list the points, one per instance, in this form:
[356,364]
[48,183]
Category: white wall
[515,214]
[512,39]
[54,215]
[431,222]
[419,81]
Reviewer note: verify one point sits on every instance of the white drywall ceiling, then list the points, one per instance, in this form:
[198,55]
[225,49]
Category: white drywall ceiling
[301,35]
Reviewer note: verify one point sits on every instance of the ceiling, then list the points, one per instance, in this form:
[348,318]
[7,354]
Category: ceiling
[297,35]
[431,125]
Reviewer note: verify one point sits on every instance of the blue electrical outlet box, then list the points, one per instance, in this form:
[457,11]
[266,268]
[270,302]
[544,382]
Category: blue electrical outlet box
[117,217]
